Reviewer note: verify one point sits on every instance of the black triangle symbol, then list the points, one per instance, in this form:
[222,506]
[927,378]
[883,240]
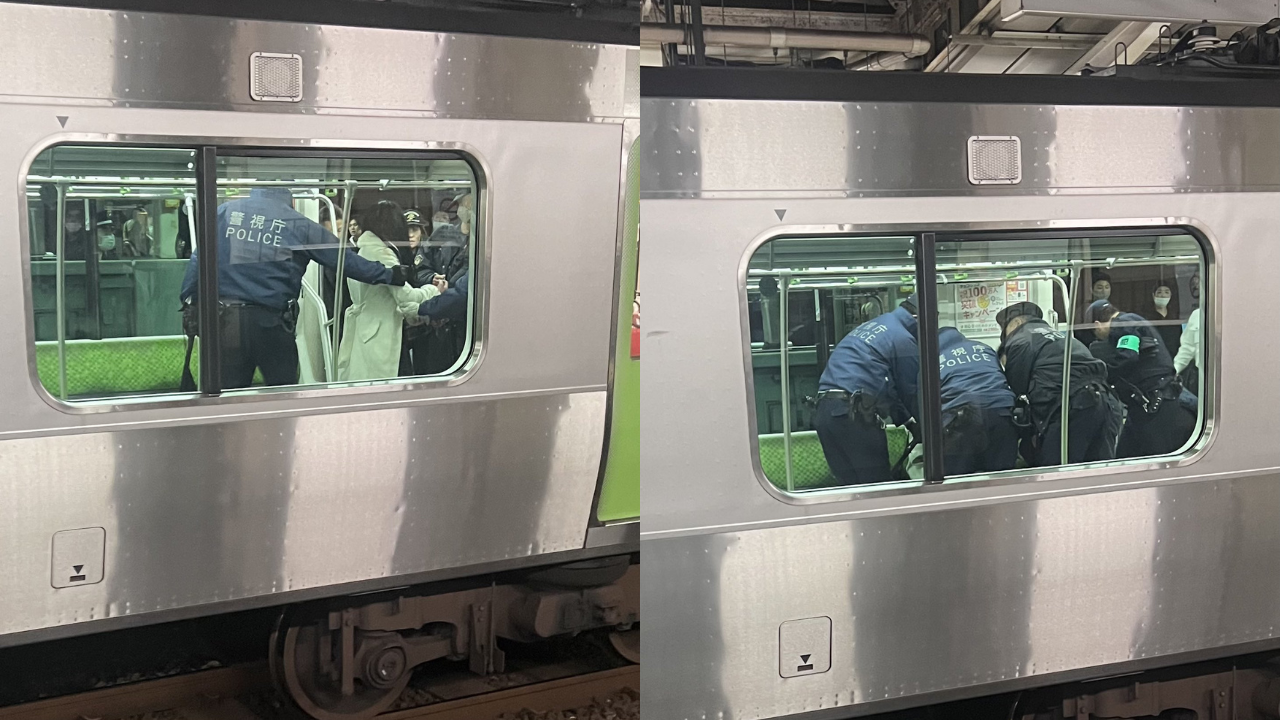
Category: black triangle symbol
[803,658]
[77,568]
[62,120]
[780,213]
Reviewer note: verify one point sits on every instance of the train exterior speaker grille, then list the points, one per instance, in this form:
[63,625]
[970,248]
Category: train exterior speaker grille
[275,77]
[995,160]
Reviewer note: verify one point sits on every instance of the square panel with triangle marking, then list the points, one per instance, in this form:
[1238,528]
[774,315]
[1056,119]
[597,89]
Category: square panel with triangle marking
[804,647]
[78,557]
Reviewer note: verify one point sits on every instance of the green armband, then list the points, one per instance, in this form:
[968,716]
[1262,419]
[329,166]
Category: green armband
[1128,342]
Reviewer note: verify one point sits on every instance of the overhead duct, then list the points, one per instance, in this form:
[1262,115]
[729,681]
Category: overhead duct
[784,38]
[884,61]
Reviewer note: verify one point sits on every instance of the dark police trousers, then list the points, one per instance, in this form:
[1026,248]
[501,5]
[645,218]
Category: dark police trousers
[978,440]
[855,445]
[1093,423]
[1160,433]
[255,337]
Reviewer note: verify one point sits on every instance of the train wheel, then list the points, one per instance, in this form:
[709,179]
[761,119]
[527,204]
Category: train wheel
[627,644]
[306,665]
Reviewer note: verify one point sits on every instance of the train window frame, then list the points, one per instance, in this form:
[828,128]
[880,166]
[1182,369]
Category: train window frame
[1090,228]
[359,392]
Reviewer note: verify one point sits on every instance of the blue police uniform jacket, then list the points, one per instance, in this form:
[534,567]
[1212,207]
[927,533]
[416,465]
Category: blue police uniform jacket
[970,374]
[450,304]
[263,249]
[880,358]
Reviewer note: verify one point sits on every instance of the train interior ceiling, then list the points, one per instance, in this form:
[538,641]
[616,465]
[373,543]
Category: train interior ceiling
[1043,37]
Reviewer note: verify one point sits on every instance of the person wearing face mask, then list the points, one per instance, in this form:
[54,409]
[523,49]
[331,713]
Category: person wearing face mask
[105,238]
[1163,314]
[1141,371]
[75,239]
[1032,355]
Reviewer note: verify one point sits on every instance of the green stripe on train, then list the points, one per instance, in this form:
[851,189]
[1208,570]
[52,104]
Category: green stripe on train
[620,494]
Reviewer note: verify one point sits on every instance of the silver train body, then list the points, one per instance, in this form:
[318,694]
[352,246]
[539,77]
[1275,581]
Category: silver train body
[221,504]
[967,587]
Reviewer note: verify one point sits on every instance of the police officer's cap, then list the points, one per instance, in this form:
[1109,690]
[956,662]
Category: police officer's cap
[103,219]
[1018,309]
[413,217]
[1100,311]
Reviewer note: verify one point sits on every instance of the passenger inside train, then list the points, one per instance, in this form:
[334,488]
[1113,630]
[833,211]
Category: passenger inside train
[835,359]
[112,227]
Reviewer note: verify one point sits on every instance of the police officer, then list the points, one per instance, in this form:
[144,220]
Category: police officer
[871,374]
[419,230]
[442,255]
[1141,371]
[264,246]
[417,334]
[1032,355]
[977,407]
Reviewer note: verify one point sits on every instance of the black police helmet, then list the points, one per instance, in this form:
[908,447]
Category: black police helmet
[413,217]
[1018,309]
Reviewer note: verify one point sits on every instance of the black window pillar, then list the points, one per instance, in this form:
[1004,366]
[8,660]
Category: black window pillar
[207,251]
[930,391]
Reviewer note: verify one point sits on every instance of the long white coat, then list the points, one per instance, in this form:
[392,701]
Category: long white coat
[371,335]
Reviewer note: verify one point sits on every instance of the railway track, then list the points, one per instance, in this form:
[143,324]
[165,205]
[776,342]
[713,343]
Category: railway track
[245,693]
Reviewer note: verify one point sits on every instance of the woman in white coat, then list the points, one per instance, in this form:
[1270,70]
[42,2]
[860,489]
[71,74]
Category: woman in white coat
[371,334]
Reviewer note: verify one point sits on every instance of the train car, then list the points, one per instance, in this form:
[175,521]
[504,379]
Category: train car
[793,208]
[141,485]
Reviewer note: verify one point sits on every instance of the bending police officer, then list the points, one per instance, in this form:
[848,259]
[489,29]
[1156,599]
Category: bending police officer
[871,374]
[977,407]
[1032,355]
[264,246]
[1142,373]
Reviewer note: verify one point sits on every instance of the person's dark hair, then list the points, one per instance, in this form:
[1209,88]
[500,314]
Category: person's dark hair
[324,213]
[386,220]
[1099,275]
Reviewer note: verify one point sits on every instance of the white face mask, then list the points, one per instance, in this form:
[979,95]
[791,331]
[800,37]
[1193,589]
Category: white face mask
[106,242]
[1161,302]
[1099,294]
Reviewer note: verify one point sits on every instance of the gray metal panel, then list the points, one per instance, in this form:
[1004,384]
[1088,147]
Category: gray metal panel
[210,513]
[154,59]
[1254,12]
[935,602]
[974,583]
[234,499]
[737,147]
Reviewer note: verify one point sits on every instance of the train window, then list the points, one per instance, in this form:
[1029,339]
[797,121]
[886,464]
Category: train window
[109,232]
[834,362]
[1054,349]
[280,217]
[115,269]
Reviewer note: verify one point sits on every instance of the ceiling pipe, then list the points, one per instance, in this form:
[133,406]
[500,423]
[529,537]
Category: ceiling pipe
[785,38]
[880,61]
